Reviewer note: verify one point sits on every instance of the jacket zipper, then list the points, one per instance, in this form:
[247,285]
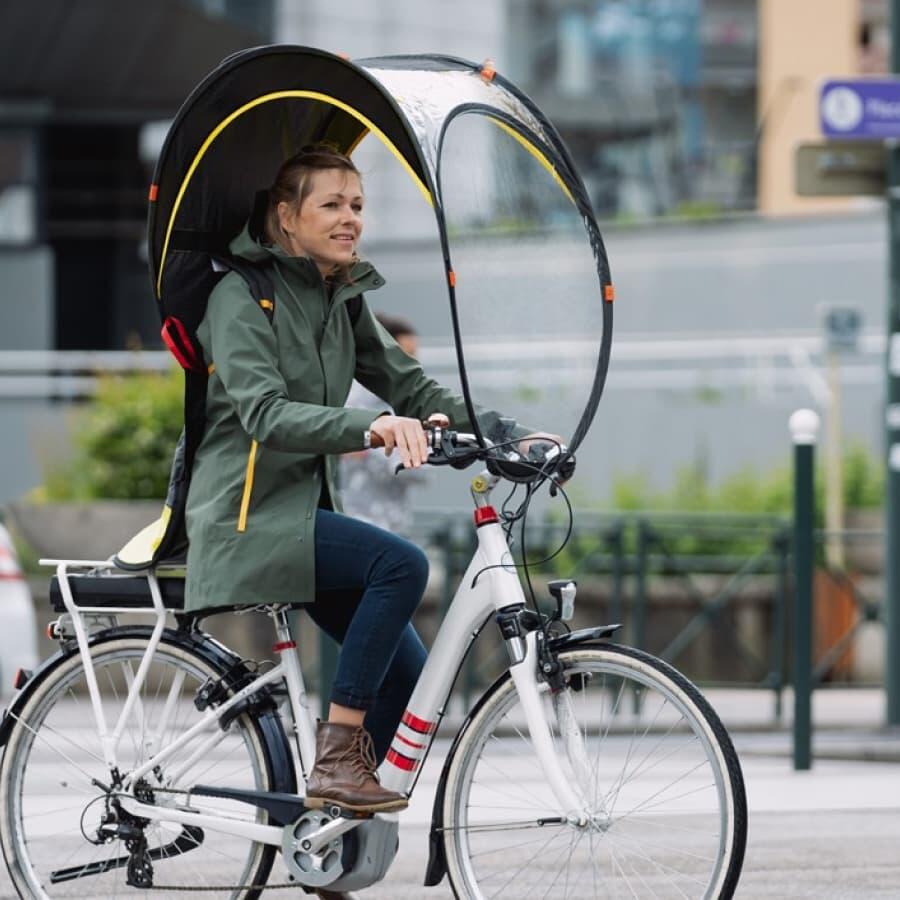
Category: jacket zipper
[251,459]
[329,307]
[248,488]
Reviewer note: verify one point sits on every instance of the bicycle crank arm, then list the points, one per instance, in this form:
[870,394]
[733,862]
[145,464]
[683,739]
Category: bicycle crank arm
[189,839]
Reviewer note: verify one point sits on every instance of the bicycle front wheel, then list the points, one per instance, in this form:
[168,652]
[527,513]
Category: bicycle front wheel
[653,763]
[52,778]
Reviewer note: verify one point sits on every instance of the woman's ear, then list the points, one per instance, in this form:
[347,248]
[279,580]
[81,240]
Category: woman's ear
[285,217]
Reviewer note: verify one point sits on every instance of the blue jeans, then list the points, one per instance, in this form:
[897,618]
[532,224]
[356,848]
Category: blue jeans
[368,584]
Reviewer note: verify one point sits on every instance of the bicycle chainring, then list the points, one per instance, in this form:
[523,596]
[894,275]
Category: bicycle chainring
[317,869]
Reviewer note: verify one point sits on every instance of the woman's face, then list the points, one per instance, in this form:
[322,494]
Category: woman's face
[327,226]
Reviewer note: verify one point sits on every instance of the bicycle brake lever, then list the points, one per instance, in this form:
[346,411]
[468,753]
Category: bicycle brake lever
[564,472]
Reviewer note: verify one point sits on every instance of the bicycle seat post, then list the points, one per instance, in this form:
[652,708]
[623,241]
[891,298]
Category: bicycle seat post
[304,720]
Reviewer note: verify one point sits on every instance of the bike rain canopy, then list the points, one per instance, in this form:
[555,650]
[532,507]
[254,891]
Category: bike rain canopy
[528,285]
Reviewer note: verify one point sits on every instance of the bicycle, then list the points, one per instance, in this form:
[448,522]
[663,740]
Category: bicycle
[151,759]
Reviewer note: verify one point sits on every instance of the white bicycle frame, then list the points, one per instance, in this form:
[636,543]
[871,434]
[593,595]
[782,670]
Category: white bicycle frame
[490,583]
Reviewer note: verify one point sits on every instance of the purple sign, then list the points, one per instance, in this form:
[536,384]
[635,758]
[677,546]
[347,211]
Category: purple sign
[861,108]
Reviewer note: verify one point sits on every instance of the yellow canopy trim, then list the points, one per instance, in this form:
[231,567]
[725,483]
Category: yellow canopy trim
[536,153]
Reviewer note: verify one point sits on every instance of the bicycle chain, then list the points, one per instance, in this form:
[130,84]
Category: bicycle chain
[226,887]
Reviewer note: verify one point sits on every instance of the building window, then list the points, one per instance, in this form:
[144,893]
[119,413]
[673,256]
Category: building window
[18,178]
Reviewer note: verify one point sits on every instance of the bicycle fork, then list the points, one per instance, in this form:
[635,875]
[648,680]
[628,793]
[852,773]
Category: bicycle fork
[523,654]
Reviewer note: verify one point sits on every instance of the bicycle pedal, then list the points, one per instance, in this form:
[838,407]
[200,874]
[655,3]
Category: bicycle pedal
[341,812]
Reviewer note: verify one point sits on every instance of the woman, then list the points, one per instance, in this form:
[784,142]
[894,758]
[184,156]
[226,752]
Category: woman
[261,521]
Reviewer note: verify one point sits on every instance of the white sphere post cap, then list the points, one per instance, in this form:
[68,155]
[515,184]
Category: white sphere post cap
[804,425]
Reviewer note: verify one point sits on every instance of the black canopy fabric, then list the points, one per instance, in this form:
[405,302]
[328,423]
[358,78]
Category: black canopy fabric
[261,105]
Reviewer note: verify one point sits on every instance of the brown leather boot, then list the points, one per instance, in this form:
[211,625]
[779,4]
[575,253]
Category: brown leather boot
[344,772]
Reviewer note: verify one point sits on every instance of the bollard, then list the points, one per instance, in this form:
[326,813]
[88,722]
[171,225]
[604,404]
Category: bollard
[804,426]
[781,547]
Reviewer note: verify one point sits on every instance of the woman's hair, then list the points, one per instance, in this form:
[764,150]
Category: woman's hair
[396,326]
[293,184]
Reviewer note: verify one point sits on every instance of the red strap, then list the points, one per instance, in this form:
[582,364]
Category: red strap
[180,344]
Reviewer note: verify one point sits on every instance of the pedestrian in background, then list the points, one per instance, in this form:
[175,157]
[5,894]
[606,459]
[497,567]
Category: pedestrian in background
[370,489]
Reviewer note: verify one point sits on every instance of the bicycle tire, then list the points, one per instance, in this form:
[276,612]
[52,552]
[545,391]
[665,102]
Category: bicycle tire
[53,752]
[679,830]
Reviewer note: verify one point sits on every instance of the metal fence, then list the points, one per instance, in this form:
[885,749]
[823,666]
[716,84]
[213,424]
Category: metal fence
[712,594]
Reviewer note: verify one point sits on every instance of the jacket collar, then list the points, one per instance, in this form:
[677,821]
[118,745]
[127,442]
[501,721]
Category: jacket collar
[363,276]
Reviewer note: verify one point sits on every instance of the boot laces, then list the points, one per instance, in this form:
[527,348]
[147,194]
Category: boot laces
[361,754]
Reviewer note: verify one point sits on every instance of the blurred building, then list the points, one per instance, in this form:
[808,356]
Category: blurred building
[81,86]
[669,107]
[690,107]
[656,98]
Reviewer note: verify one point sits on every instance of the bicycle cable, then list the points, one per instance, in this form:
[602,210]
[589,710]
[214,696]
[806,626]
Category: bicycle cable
[521,514]
[94,841]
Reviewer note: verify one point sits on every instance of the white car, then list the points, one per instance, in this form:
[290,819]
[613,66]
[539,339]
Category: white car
[18,630]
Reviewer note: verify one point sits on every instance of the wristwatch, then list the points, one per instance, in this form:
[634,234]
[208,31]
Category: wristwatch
[367,440]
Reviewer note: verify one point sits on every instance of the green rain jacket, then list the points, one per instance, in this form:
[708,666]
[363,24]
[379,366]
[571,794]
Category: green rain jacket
[275,420]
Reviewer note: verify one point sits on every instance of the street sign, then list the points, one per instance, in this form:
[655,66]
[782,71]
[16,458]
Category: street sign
[840,169]
[860,108]
[842,327]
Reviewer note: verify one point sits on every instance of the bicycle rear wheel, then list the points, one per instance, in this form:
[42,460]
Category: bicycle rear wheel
[652,760]
[51,801]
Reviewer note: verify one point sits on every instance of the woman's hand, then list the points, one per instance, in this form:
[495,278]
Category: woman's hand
[544,437]
[407,435]
[527,442]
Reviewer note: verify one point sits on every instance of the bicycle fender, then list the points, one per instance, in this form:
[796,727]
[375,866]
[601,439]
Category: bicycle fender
[582,636]
[219,657]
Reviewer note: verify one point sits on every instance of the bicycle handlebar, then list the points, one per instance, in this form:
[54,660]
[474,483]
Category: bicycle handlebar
[460,450]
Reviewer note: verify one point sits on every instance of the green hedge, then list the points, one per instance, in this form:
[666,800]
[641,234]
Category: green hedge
[124,441]
[750,491]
